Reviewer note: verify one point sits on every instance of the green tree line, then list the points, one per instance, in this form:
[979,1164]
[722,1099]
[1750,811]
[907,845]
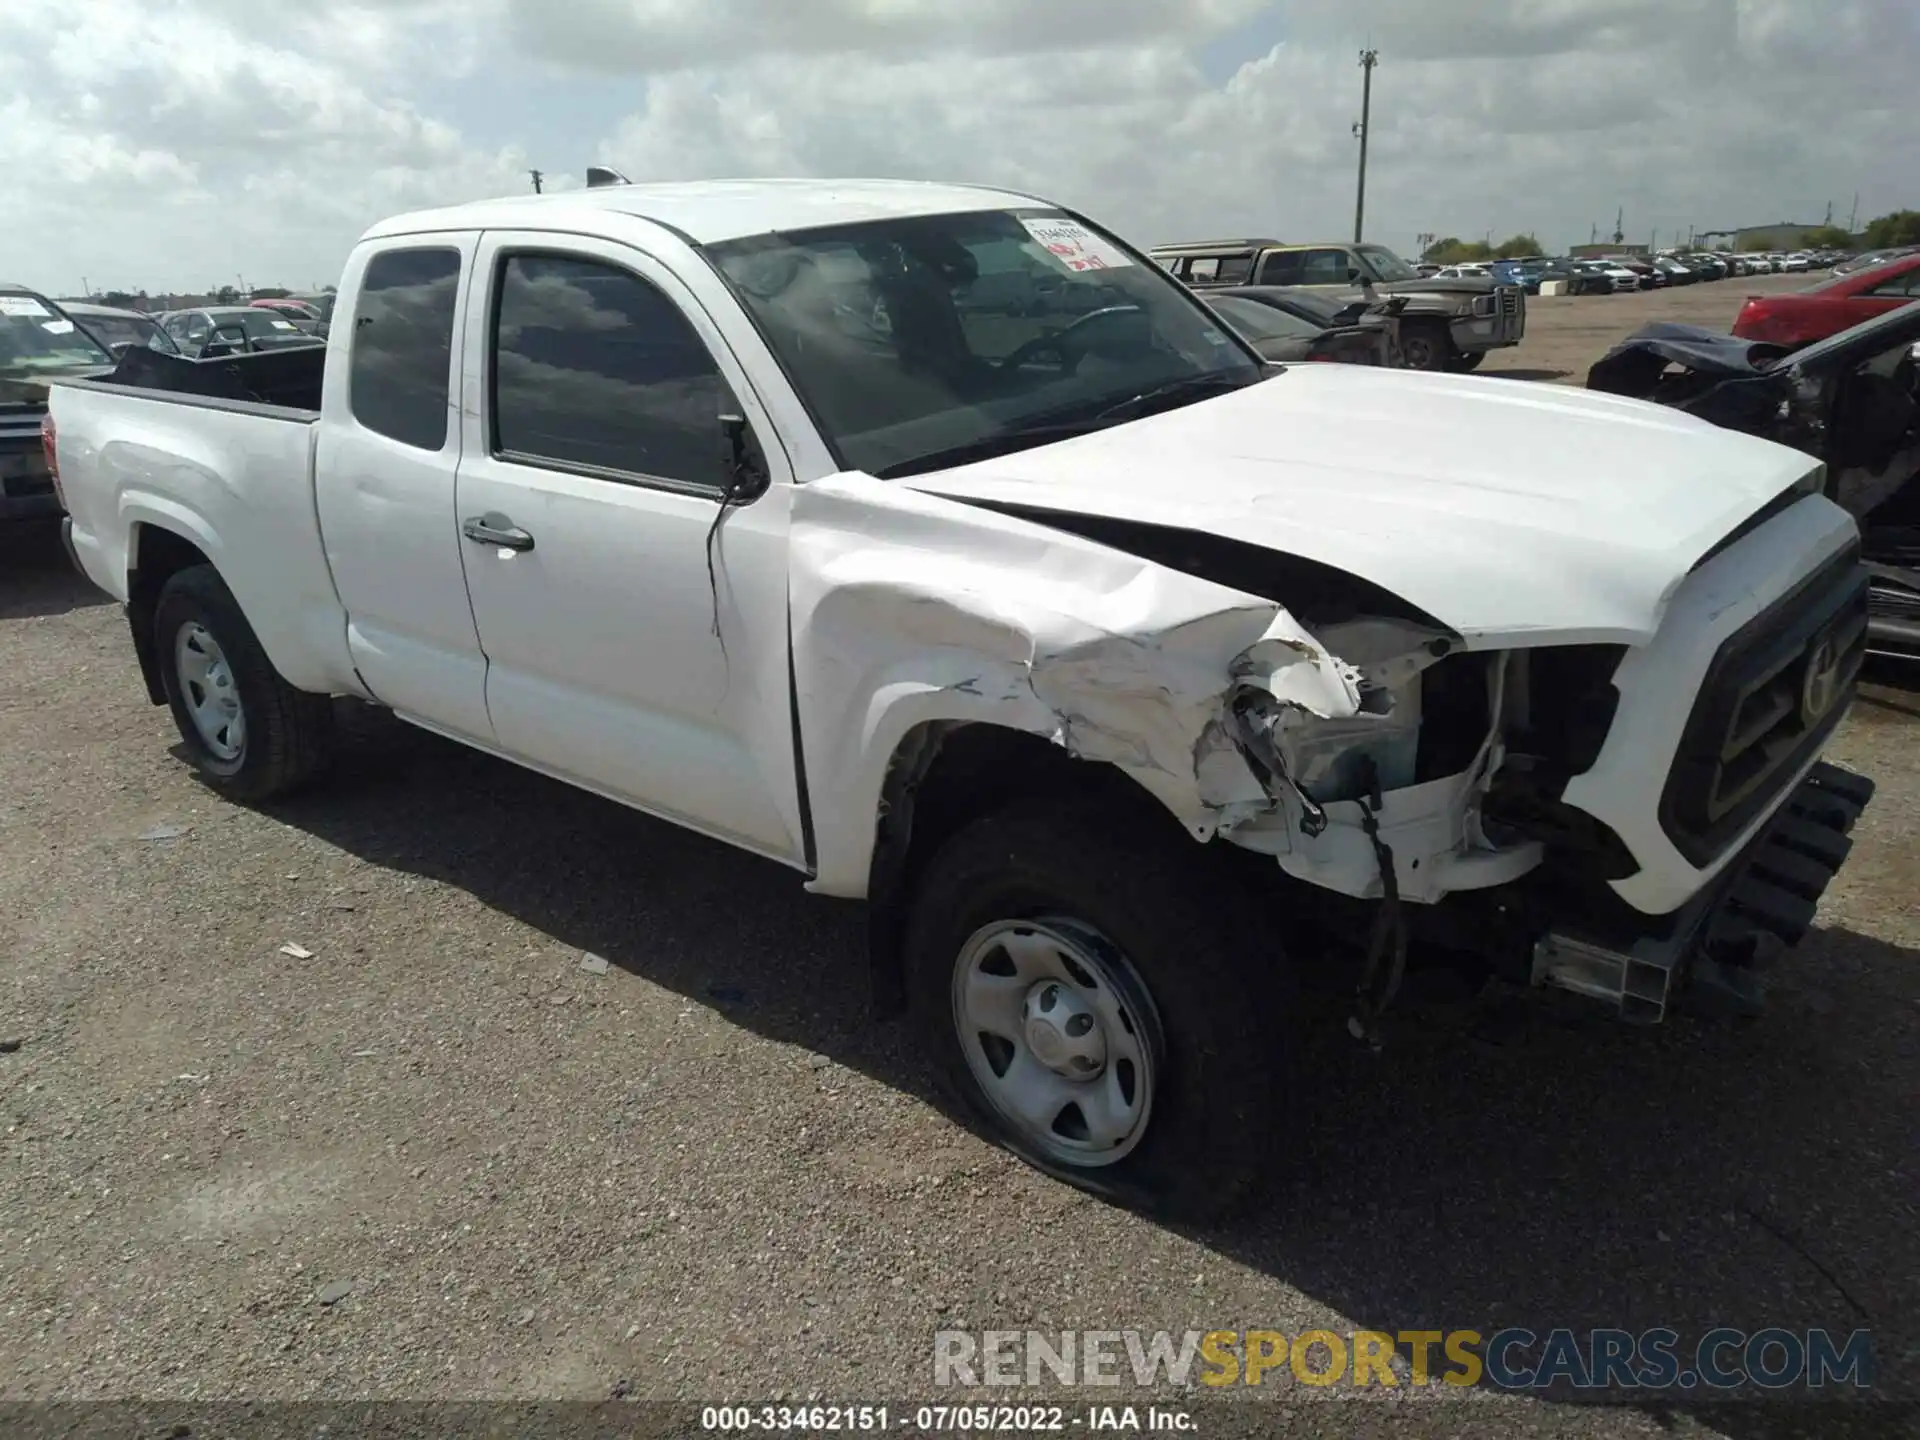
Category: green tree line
[1455,251]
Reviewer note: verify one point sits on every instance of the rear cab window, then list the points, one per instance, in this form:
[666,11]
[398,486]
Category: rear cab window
[401,361]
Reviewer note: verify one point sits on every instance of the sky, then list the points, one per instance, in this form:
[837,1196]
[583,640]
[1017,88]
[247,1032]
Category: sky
[184,144]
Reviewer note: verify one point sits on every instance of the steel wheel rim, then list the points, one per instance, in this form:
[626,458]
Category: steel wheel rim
[208,691]
[1061,1037]
[1419,352]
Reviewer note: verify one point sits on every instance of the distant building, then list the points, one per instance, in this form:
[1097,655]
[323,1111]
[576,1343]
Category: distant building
[1783,236]
[1603,249]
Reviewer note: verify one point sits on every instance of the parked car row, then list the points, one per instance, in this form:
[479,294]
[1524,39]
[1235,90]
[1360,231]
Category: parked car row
[210,331]
[1605,275]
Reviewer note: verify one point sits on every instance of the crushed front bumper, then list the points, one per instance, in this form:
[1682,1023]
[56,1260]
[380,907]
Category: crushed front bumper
[1718,948]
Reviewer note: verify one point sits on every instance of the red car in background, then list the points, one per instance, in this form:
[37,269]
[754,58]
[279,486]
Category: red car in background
[1804,316]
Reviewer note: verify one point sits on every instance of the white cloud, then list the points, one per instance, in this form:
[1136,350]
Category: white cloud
[182,142]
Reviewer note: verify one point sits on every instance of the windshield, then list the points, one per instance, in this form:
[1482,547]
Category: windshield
[936,339]
[1261,322]
[35,337]
[117,329]
[1387,265]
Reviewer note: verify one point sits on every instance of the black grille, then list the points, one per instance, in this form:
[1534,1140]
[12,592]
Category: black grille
[23,486]
[1775,691]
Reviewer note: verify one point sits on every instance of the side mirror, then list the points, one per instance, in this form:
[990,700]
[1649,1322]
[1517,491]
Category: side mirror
[745,470]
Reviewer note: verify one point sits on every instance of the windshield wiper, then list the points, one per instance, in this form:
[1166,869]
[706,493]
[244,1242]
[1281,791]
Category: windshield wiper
[1000,442]
[1186,385]
[1061,425]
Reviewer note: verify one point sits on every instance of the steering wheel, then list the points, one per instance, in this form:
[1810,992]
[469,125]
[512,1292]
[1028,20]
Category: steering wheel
[1069,343]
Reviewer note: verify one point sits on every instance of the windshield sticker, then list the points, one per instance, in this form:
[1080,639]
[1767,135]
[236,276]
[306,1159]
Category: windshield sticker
[57,327]
[22,305]
[281,324]
[1075,246]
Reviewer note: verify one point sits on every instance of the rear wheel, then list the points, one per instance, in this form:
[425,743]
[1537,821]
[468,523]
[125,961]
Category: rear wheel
[251,735]
[1465,361]
[1087,994]
[1426,346]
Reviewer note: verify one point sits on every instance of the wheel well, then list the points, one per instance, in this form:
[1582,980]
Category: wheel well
[154,556]
[942,777]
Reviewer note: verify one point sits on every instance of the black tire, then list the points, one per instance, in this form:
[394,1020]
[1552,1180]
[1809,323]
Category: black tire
[285,730]
[1425,345]
[1220,999]
[1467,361]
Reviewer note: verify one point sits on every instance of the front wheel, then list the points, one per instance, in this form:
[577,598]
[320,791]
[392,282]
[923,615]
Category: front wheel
[1426,347]
[251,735]
[1465,362]
[1087,994]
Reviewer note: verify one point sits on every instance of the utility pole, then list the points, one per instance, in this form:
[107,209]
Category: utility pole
[1368,59]
[1853,220]
[537,178]
[1619,226]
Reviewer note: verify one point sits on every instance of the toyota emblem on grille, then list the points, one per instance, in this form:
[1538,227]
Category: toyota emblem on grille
[1820,685]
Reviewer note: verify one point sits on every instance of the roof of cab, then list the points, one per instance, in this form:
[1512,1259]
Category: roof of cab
[709,211]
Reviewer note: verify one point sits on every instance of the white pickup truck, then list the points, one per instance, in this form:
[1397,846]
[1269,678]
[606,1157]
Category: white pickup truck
[934,542]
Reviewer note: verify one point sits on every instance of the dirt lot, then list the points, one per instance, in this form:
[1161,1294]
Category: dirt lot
[435,1157]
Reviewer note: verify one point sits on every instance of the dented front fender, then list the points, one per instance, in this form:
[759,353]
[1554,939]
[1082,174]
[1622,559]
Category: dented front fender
[907,608]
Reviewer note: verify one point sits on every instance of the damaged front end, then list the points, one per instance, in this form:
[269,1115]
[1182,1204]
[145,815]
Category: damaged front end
[1420,784]
[1396,782]
[1357,733]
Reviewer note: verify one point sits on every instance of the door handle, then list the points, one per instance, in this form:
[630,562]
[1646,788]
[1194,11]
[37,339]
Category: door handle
[493,528]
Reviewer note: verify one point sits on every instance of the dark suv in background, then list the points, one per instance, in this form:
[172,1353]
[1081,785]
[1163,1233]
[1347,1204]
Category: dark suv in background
[39,343]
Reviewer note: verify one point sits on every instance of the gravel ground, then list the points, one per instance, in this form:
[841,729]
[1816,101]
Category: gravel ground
[428,1153]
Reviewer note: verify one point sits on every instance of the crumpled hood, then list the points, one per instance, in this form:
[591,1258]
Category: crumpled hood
[1510,511]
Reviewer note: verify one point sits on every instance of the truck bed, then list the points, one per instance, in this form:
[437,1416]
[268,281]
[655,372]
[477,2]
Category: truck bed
[194,449]
[286,379]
